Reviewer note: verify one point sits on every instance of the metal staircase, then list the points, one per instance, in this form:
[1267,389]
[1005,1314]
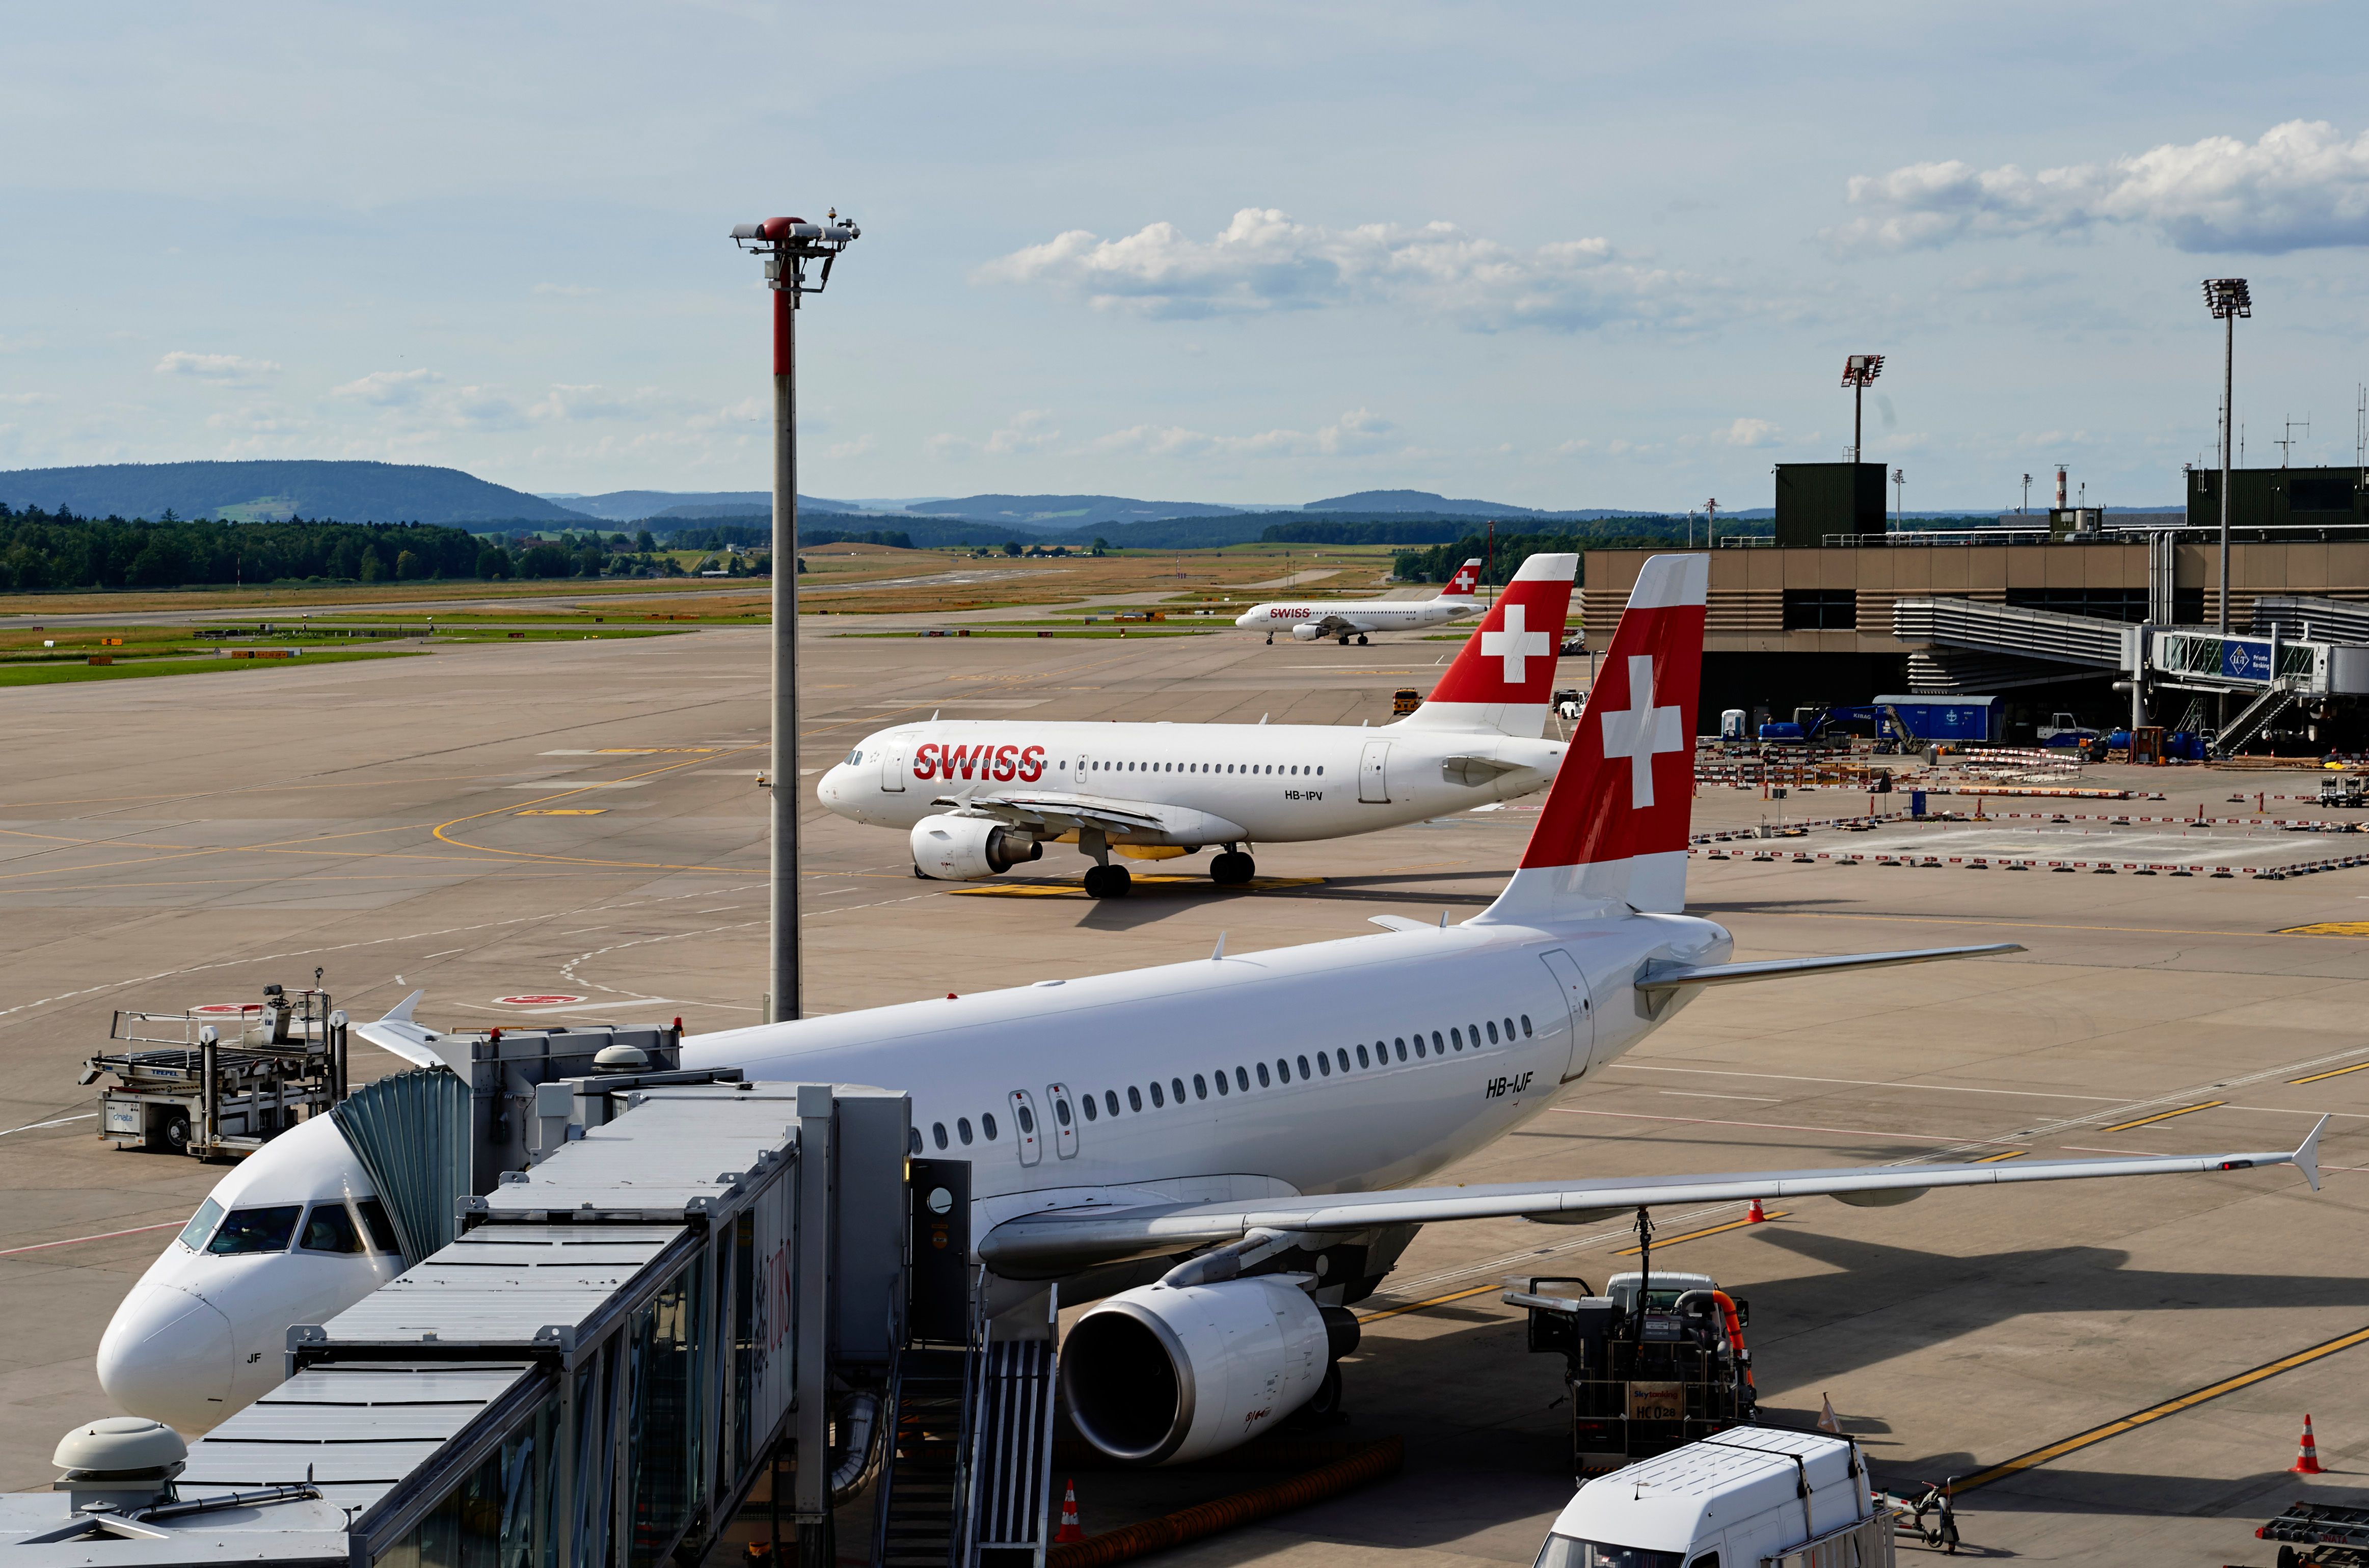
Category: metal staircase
[2258,716]
[966,1466]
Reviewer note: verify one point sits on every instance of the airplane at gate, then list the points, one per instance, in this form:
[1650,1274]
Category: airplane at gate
[978,796]
[1223,1154]
[1314,620]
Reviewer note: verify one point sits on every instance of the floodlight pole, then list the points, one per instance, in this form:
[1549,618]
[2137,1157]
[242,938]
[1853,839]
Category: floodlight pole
[787,245]
[2228,394]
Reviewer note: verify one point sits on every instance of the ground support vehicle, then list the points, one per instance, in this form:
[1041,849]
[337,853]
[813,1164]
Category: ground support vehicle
[1748,1498]
[1910,1505]
[2331,1536]
[220,1081]
[1652,1363]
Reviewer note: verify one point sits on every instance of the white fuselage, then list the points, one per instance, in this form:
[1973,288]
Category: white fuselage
[1259,783]
[203,1334]
[1339,617]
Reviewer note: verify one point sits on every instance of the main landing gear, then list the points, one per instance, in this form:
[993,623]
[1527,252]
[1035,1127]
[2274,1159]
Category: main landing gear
[1233,869]
[1361,640]
[1106,881]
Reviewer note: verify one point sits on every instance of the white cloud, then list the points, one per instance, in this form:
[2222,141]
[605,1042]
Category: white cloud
[1748,432]
[223,368]
[845,449]
[1354,433]
[2301,186]
[1028,430]
[594,401]
[1263,261]
[389,389]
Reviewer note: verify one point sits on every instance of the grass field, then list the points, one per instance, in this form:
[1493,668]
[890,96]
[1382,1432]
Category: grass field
[64,675]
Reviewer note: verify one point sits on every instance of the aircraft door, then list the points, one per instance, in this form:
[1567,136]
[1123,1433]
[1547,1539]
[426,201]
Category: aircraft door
[1065,1120]
[1573,984]
[1024,1130]
[1373,772]
[892,766]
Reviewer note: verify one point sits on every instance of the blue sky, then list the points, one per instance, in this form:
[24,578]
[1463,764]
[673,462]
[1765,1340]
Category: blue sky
[1557,255]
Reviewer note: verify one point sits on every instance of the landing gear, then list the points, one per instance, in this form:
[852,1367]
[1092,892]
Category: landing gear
[1344,639]
[1106,881]
[1232,869]
[1270,639]
[1361,640]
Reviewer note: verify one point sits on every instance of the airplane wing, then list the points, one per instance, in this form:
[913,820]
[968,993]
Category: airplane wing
[397,1034]
[1056,1241]
[1051,813]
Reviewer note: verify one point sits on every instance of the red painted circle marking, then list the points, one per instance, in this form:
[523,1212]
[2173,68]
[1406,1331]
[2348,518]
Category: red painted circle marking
[225,1009]
[554,999]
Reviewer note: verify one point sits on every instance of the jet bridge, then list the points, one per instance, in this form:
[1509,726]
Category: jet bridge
[693,1292]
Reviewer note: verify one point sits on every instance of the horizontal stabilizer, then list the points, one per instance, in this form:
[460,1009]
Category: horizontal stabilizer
[1670,977]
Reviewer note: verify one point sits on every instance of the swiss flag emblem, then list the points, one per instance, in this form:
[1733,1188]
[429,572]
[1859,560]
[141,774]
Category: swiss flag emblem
[1511,657]
[1626,787]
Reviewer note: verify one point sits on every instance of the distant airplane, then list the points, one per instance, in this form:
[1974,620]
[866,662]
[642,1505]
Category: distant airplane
[1224,1154]
[1314,620]
[979,796]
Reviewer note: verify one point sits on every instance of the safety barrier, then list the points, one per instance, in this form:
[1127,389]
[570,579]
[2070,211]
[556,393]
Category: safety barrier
[2026,863]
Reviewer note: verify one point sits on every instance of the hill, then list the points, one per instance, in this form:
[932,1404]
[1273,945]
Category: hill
[272,491]
[1051,512]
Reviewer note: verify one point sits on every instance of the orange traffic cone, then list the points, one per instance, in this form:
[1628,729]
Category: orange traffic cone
[1759,1214]
[1070,1530]
[2306,1453]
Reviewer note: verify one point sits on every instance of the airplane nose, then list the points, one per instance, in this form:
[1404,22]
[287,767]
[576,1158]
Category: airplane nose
[1245,618]
[168,1355]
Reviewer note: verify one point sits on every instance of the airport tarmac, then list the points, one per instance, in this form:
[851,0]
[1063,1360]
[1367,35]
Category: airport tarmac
[583,819]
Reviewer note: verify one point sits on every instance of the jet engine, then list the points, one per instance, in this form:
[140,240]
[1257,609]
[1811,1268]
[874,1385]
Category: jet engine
[1306,632]
[1165,1375]
[962,849]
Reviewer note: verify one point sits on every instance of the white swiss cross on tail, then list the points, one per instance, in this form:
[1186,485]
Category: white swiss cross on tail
[1641,730]
[1612,836]
[1514,643]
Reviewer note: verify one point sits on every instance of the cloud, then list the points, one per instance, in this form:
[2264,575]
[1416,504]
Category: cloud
[593,401]
[1028,430]
[1354,433]
[225,368]
[2301,186]
[1748,432]
[1263,262]
[389,389]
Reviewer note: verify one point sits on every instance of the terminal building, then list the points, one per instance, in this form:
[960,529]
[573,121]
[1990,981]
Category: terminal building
[2054,612]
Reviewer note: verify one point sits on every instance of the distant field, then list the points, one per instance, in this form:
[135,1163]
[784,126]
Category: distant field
[63,674]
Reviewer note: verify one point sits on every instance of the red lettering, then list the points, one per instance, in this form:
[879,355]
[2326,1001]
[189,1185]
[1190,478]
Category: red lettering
[1004,755]
[966,758]
[925,761]
[1032,765]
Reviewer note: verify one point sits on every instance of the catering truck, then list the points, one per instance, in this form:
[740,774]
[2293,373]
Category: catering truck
[1748,1496]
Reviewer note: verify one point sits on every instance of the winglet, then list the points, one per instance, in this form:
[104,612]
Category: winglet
[401,1012]
[1219,952]
[2307,1155]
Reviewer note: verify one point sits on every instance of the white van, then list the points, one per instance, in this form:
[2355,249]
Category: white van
[1750,1496]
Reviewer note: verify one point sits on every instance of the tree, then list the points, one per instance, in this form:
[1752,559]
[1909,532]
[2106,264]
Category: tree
[1011,546]
[409,566]
[545,561]
[493,562]
[644,543]
[374,568]
[1100,545]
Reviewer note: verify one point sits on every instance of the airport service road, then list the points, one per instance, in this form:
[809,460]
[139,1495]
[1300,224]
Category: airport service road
[170,842]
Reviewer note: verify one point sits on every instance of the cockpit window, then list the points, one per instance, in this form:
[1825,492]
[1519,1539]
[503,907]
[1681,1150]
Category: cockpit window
[329,1229]
[854,756]
[255,1231]
[200,1226]
[381,1232]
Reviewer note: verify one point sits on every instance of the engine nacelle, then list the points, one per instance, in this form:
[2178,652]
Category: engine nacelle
[962,849]
[1163,1376]
[1307,633]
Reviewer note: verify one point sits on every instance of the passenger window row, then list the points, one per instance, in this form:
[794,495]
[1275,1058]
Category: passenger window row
[961,1131]
[1416,1046]
[1294,769]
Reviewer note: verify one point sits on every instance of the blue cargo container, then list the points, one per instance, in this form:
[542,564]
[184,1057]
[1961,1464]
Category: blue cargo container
[1944,718]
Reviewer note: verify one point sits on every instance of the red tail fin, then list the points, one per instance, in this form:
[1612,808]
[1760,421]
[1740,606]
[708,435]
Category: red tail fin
[1504,676]
[1614,829]
[1467,579]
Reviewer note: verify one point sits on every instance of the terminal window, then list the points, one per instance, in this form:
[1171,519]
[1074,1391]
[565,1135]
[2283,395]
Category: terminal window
[1821,609]
[2109,604]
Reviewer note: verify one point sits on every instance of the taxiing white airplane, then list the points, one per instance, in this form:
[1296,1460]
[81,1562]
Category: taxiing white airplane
[1227,1152]
[979,796]
[1314,620]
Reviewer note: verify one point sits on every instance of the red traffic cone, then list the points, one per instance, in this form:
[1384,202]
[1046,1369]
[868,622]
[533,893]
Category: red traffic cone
[1070,1530]
[2306,1453]
[1758,1216]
